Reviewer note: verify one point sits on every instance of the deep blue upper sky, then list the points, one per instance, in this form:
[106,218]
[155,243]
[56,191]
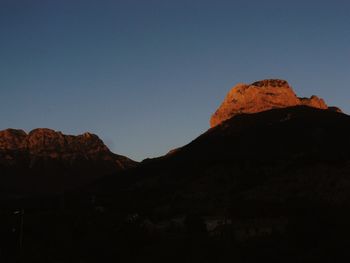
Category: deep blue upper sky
[146,75]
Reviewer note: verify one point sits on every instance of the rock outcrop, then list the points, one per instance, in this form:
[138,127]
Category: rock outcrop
[48,144]
[261,96]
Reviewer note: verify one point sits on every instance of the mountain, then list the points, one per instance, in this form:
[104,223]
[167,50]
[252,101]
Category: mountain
[272,185]
[260,96]
[45,160]
[269,183]
[278,156]
[272,157]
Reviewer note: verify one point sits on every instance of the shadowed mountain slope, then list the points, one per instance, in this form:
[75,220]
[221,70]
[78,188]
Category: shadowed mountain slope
[278,156]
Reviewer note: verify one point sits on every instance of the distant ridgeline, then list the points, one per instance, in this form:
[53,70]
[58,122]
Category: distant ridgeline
[61,160]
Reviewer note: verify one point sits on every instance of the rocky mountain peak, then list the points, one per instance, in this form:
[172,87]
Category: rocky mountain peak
[261,96]
[47,143]
[48,161]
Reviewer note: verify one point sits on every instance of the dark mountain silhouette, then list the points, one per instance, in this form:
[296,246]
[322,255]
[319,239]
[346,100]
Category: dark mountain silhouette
[278,181]
[45,161]
[277,156]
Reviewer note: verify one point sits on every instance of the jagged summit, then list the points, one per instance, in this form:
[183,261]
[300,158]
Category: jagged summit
[47,161]
[49,144]
[271,83]
[47,140]
[260,96]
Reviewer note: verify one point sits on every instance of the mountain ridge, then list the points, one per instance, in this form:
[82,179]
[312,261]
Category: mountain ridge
[246,158]
[55,161]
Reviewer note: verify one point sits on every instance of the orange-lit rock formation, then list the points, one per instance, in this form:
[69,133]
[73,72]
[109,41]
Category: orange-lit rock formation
[49,144]
[261,96]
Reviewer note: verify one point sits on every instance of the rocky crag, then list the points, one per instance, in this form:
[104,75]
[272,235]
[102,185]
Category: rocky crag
[50,144]
[47,160]
[261,96]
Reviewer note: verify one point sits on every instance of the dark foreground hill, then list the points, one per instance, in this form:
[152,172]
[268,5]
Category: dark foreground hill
[272,186]
[274,157]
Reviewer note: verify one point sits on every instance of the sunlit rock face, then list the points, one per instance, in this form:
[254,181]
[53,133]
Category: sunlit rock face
[46,141]
[314,102]
[49,144]
[45,161]
[261,96]
[12,139]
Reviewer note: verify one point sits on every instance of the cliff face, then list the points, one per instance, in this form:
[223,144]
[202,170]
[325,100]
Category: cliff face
[49,158]
[50,144]
[261,96]
[12,139]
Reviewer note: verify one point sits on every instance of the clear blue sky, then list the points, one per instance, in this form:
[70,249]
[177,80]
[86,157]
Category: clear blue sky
[145,75]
